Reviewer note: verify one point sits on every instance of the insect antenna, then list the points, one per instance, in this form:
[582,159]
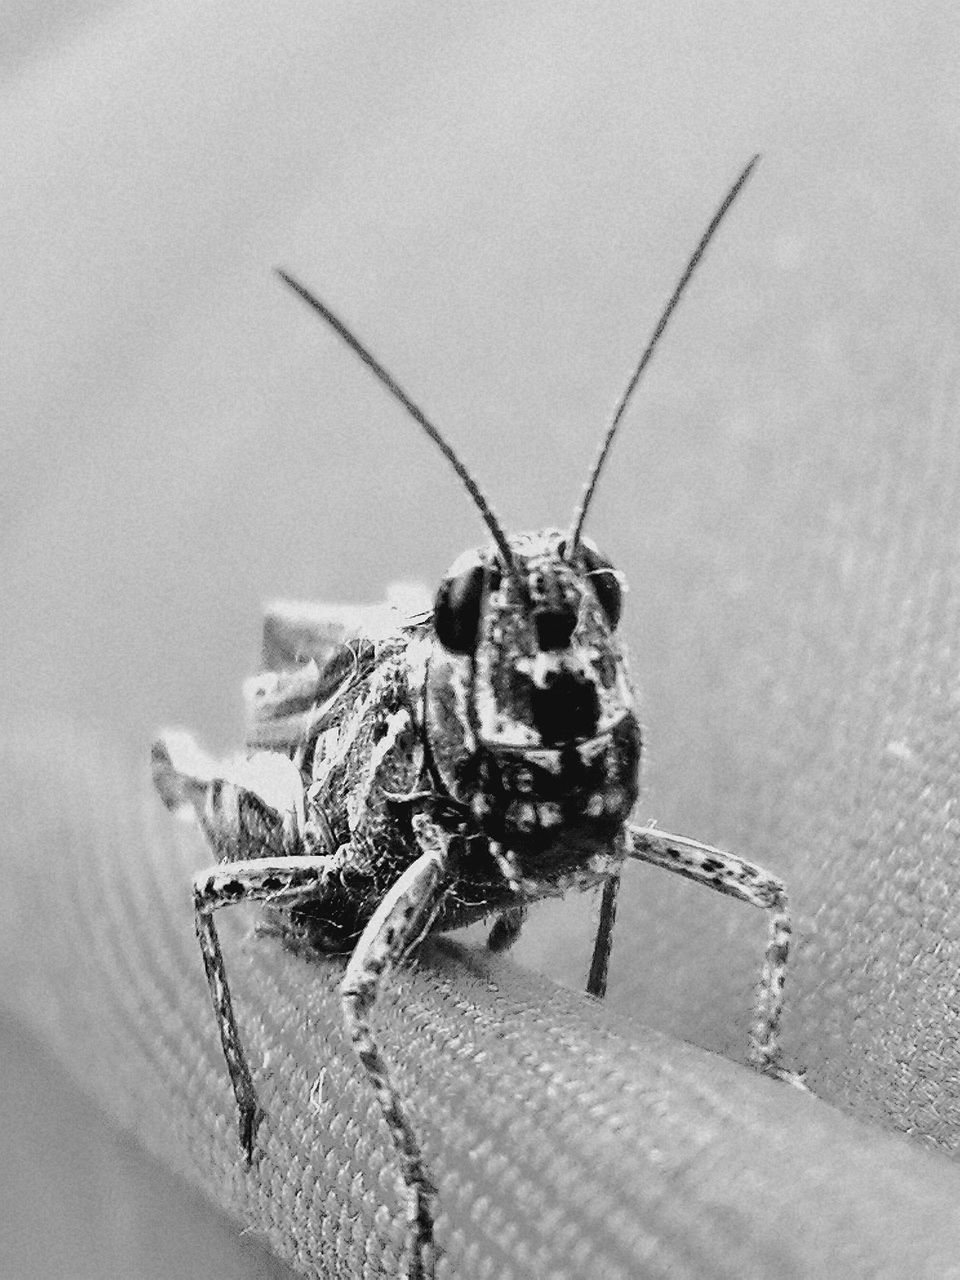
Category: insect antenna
[491,521]
[581,512]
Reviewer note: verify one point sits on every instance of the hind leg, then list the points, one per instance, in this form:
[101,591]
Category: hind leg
[246,806]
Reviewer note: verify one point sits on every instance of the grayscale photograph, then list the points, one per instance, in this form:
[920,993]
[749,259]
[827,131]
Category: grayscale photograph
[480,654]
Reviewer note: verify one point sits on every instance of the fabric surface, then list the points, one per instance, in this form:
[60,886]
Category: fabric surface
[836,692]
[499,202]
[567,1142]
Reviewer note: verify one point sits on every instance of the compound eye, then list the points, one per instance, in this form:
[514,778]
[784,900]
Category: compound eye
[605,582]
[456,611]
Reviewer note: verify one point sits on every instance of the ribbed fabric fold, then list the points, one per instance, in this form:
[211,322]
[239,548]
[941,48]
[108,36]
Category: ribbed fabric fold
[567,1143]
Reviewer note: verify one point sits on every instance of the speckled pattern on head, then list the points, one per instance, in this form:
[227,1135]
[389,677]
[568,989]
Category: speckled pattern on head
[535,731]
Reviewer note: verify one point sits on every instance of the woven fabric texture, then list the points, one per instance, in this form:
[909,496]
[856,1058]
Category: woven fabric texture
[567,1142]
[836,693]
[499,202]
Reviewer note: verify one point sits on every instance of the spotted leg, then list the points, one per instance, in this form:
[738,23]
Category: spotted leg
[279,880]
[729,874]
[398,924]
[251,811]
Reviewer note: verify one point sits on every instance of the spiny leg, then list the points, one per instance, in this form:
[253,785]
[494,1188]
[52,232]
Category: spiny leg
[256,880]
[729,874]
[399,922]
[251,810]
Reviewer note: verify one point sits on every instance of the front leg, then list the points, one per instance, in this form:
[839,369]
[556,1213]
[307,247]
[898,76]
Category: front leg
[727,873]
[398,924]
[251,811]
[280,880]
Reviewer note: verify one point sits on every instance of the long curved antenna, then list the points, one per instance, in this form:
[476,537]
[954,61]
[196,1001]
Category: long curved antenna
[581,512]
[499,537]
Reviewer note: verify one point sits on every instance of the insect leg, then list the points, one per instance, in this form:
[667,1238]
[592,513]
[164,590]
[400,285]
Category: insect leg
[245,807]
[255,880]
[727,873]
[400,921]
[603,943]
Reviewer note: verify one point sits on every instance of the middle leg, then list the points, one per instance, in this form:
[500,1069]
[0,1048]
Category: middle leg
[603,942]
[398,924]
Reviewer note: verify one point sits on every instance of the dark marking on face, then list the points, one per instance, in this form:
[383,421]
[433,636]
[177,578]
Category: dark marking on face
[554,627]
[568,708]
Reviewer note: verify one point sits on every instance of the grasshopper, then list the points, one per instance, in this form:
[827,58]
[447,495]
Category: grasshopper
[454,766]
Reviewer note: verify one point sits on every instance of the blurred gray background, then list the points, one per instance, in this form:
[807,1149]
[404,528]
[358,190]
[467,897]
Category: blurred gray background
[499,199]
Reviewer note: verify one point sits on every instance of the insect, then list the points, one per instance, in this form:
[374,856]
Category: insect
[457,766]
